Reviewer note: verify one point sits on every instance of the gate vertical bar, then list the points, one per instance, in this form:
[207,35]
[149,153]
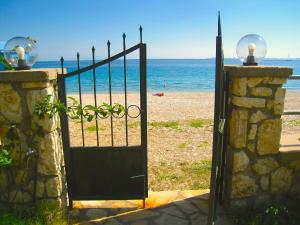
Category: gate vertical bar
[143,104]
[65,131]
[216,137]
[125,89]
[95,94]
[80,98]
[110,97]
[225,138]
[222,119]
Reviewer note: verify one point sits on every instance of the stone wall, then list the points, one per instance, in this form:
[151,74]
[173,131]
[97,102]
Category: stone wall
[37,170]
[257,172]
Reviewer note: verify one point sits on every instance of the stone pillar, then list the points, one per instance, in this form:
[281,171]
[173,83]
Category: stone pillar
[37,170]
[256,173]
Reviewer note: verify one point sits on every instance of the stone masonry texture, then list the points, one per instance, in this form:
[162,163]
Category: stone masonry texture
[39,176]
[260,173]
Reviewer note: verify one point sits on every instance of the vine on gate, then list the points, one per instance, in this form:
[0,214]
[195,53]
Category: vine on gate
[50,107]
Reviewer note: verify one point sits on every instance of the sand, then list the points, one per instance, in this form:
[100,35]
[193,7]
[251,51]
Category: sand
[169,146]
[180,107]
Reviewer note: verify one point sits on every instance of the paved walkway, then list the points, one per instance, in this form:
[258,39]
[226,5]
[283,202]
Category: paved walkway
[162,208]
[290,142]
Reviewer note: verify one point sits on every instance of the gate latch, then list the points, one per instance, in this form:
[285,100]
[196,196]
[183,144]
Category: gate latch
[221,125]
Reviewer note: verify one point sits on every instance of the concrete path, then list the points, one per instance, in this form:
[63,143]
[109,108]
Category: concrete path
[162,208]
[290,142]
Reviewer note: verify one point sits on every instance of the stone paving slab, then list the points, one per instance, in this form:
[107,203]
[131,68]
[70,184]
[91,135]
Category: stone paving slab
[181,211]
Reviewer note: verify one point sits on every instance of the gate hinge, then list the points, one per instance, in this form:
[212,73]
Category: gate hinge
[221,125]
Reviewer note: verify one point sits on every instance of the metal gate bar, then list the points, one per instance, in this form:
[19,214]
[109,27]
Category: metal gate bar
[80,97]
[125,89]
[222,174]
[65,130]
[110,97]
[95,94]
[220,130]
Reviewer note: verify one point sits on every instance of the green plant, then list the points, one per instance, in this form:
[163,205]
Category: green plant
[272,215]
[181,176]
[134,124]
[93,128]
[182,145]
[203,144]
[41,215]
[5,157]
[295,122]
[198,123]
[50,106]
[5,149]
[166,124]
[5,63]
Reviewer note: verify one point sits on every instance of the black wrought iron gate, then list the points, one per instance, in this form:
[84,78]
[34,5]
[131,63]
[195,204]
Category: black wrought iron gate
[106,172]
[220,131]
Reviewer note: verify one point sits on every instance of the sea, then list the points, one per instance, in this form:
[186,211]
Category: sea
[163,75]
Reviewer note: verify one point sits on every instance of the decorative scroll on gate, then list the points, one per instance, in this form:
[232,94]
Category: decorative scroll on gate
[106,171]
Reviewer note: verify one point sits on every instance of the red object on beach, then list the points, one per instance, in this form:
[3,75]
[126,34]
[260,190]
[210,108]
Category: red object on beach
[158,94]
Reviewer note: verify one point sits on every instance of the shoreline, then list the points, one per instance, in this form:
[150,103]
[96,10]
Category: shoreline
[148,92]
[164,91]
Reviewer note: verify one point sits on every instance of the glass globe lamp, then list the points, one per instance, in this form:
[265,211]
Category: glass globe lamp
[21,52]
[251,49]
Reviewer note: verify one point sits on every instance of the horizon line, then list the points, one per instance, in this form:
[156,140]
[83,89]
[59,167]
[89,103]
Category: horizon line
[209,58]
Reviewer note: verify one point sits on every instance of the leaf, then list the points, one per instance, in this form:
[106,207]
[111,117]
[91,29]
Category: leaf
[6,64]
[5,158]
[89,107]
[90,118]
[73,100]
[49,107]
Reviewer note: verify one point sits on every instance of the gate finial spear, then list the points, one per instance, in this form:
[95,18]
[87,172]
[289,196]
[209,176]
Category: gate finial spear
[141,34]
[108,48]
[124,37]
[62,64]
[93,54]
[219,24]
[108,45]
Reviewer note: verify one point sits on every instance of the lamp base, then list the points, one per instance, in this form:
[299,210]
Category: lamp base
[250,64]
[250,61]
[22,65]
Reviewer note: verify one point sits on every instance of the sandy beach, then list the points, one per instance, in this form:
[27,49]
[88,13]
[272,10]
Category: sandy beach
[179,129]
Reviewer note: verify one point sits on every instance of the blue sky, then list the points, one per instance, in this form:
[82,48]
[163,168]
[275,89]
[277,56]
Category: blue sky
[172,28]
